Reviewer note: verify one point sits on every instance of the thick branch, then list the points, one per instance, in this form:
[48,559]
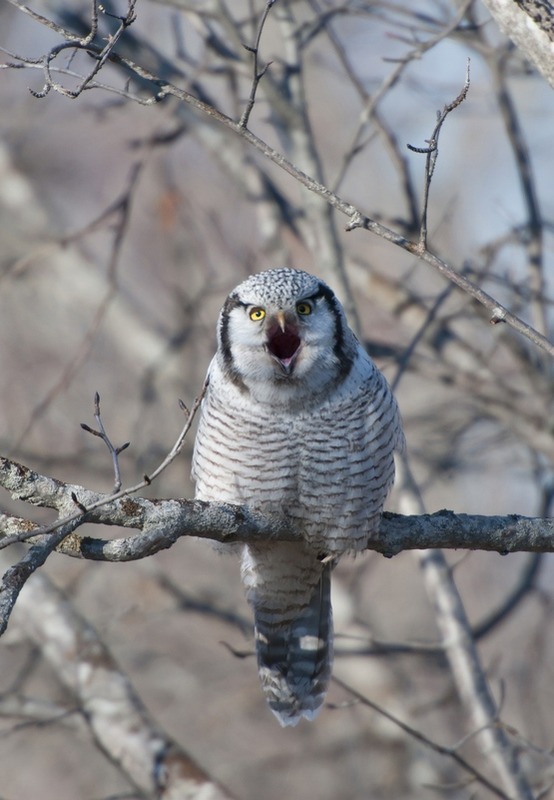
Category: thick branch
[162,522]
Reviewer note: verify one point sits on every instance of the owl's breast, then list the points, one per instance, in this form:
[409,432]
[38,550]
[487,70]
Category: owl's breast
[329,466]
[245,456]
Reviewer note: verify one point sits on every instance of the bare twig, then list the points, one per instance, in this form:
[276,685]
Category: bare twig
[371,103]
[56,497]
[21,62]
[67,34]
[46,539]
[101,432]
[102,55]
[432,153]
[257,72]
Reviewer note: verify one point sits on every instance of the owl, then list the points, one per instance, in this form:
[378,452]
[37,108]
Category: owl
[298,420]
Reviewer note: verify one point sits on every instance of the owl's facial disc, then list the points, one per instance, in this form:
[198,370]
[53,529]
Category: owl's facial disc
[283,342]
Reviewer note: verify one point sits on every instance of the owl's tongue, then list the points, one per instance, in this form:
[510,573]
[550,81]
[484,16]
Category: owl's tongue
[284,345]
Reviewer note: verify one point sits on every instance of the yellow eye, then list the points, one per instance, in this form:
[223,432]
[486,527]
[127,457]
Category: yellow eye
[304,309]
[257,314]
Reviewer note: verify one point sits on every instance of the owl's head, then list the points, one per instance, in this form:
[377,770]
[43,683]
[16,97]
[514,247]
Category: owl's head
[283,332]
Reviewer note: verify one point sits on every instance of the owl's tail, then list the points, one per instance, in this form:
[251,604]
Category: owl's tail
[294,631]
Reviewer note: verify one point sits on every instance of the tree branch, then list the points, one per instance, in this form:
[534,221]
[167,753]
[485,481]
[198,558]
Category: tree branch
[432,153]
[162,522]
[257,72]
[16,576]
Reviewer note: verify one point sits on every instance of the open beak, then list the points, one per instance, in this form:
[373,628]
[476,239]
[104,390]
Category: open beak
[283,341]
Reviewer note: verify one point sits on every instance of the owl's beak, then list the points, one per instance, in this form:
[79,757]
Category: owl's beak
[283,341]
[281,320]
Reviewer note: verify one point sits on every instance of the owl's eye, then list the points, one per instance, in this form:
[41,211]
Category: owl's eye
[304,309]
[257,314]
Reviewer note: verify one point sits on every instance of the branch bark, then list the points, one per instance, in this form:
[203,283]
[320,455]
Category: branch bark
[162,522]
